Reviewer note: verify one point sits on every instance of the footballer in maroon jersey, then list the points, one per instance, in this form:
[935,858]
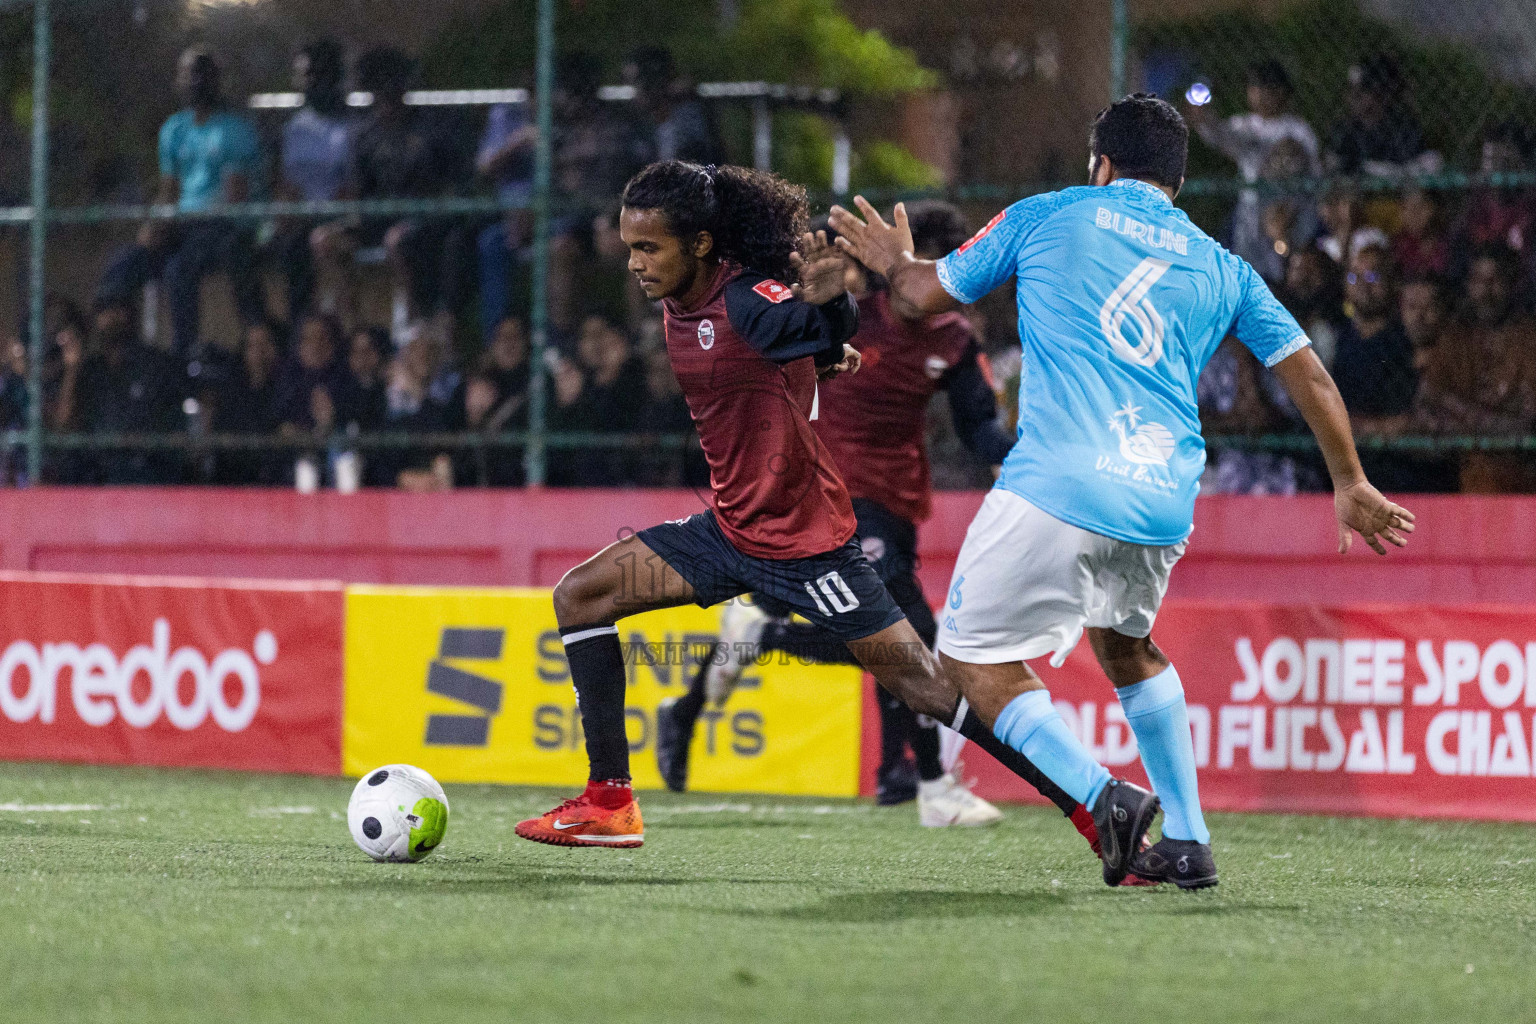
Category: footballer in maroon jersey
[718,246]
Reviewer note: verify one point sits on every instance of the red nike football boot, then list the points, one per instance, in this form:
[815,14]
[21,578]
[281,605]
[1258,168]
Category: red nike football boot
[604,815]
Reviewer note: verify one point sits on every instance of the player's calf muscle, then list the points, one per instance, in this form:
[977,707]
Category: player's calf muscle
[904,665]
[1126,660]
[989,688]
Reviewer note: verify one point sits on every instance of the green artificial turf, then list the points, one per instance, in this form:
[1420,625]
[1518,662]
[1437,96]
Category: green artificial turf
[188,896]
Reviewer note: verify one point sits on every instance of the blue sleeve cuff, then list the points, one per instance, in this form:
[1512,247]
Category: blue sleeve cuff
[1290,348]
[946,278]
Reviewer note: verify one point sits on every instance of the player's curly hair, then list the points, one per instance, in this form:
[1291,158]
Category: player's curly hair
[756,218]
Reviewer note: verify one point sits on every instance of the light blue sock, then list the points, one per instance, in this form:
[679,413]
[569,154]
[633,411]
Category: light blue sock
[1030,725]
[1155,709]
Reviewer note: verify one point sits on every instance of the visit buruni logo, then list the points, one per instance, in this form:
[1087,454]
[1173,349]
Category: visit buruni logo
[146,682]
[1146,448]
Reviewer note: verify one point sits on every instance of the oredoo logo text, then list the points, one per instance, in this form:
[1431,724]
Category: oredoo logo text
[148,681]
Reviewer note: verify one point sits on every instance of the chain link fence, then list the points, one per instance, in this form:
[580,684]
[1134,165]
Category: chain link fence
[1375,159]
[1418,77]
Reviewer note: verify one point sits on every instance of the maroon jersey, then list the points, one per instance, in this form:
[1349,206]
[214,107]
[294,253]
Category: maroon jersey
[746,360]
[873,421]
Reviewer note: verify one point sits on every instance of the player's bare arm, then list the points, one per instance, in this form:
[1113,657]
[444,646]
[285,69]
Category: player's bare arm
[887,249]
[1360,507]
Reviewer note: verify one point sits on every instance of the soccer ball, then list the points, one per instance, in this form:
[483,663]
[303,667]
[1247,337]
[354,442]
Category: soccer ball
[397,813]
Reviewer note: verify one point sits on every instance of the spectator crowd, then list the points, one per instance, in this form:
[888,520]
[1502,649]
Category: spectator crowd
[451,356]
[1418,301]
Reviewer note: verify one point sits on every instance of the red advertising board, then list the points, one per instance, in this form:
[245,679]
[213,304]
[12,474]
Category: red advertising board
[188,673]
[1380,710]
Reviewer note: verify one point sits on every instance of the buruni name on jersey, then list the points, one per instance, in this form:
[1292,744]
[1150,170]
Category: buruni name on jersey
[1136,231]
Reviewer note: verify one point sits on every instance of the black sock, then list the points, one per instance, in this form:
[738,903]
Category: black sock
[895,724]
[972,728]
[597,670]
[803,640]
[687,708]
[925,745]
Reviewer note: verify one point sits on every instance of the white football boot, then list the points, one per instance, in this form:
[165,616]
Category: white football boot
[948,801]
[741,628]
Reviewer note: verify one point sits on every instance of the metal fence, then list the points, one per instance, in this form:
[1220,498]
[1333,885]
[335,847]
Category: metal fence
[535,442]
[1468,78]
[762,99]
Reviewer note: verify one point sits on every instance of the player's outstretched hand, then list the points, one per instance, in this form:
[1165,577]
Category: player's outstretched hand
[871,241]
[1362,509]
[850,364]
[820,266]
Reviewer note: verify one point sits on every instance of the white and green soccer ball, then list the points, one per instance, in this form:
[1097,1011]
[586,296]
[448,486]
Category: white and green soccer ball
[398,813]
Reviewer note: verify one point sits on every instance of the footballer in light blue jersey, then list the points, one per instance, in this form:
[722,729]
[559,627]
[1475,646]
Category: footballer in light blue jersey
[1122,301]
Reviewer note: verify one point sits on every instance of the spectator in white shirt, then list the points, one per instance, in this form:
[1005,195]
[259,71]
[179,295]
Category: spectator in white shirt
[1247,140]
[316,158]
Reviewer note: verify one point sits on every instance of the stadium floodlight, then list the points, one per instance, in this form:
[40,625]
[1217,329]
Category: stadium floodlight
[414,98]
[610,93]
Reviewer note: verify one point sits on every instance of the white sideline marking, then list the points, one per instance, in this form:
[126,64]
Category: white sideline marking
[284,810]
[62,808]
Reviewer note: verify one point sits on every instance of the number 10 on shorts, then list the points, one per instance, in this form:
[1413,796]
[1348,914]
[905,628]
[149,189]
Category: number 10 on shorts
[836,593]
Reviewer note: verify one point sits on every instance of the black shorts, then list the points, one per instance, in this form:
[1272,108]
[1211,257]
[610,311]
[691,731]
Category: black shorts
[889,543]
[838,591]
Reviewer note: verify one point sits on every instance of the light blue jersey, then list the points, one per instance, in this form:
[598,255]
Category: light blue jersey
[1122,301]
[201,156]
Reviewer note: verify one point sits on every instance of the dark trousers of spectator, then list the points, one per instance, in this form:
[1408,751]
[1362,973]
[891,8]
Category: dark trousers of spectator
[195,250]
[433,254]
[498,261]
[289,252]
[489,467]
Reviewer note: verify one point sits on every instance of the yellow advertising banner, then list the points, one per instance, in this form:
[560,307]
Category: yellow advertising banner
[473,686]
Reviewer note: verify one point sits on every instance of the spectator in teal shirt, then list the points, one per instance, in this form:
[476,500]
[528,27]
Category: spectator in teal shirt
[209,154]
[209,158]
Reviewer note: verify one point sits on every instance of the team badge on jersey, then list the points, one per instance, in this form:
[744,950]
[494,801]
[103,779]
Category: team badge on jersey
[706,334]
[773,291]
[934,367]
[986,229]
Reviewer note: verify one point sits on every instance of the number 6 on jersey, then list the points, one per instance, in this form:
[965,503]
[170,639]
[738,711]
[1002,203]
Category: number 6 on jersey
[1129,299]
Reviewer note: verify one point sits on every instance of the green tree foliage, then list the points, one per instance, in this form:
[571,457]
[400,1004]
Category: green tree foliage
[811,42]
[796,42]
[802,42]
